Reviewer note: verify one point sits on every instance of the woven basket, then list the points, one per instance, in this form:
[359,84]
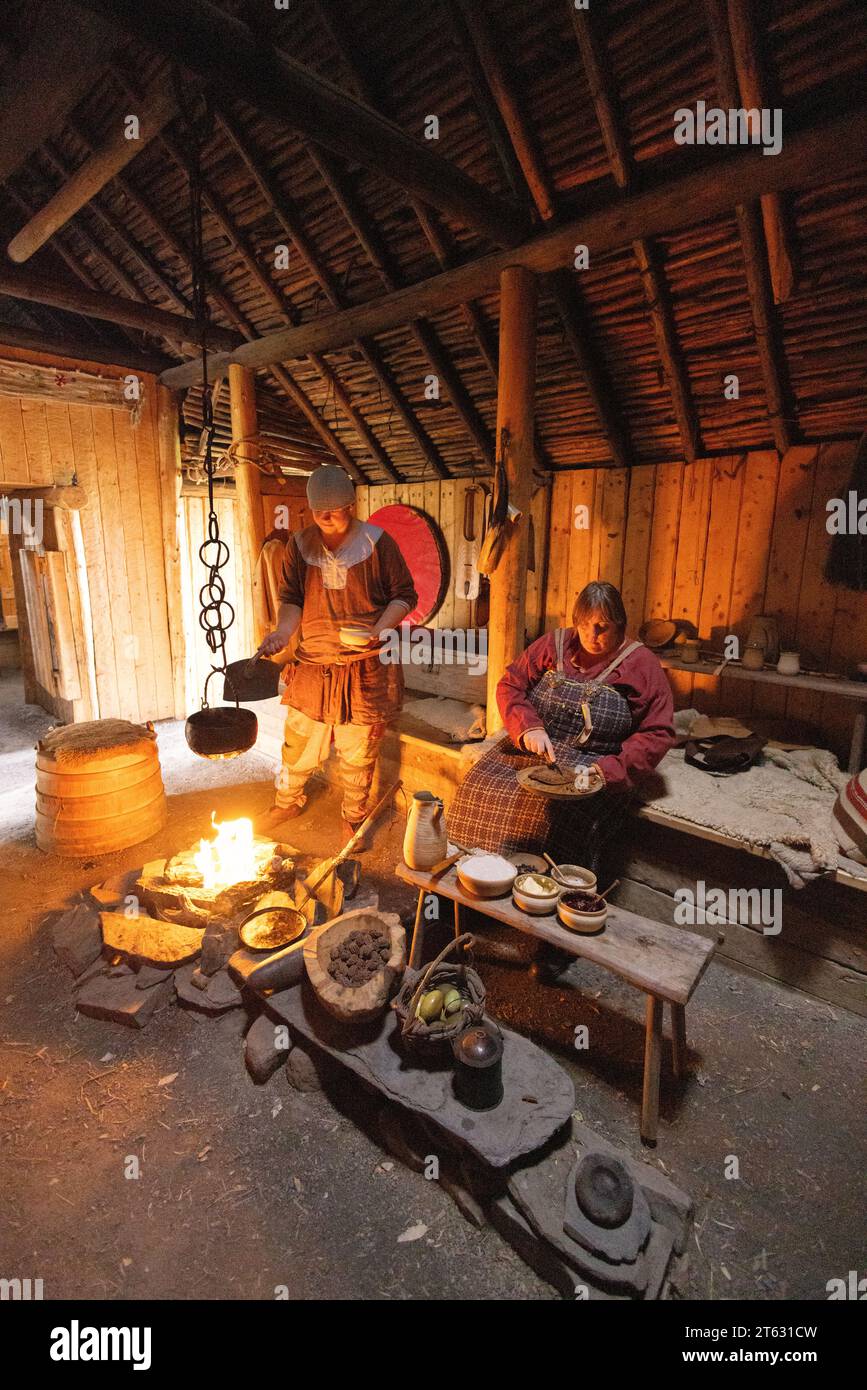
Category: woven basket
[441,974]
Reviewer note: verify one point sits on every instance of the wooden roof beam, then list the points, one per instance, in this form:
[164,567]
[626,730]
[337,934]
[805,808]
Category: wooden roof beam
[155,111]
[81,349]
[509,130]
[427,339]
[653,281]
[49,78]
[332,383]
[772,363]
[826,151]
[752,82]
[292,226]
[332,17]
[245,252]
[80,271]
[39,288]
[473,34]
[221,48]
[115,227]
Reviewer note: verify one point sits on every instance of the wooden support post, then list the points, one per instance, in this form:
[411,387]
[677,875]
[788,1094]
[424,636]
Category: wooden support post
[169,457]
[248,493]
[518,293]
[652,1057]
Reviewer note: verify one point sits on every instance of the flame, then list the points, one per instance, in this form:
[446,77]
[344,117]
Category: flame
[229,858]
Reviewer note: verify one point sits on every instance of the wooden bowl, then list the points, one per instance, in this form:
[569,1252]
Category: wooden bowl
[355,635]
[360,1003]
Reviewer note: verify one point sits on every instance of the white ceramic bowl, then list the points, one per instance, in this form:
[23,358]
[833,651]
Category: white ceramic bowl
[579,921]
[486,875]
[536,904]
[575,877]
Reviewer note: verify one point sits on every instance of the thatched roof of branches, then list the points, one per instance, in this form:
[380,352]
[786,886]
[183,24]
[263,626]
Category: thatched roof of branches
[548,114]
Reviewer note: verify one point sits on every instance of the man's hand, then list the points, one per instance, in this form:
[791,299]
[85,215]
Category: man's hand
[537,741]
[274,643]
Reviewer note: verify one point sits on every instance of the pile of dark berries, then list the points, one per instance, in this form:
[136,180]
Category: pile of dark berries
[358,957]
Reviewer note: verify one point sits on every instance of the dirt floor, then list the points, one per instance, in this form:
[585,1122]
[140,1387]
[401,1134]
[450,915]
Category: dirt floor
[246,1188]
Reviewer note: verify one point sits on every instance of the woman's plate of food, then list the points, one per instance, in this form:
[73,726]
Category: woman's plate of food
[554,780]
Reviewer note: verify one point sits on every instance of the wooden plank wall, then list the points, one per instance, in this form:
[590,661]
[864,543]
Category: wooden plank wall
[719,542]
[444,502]
[8,610]
[116,463]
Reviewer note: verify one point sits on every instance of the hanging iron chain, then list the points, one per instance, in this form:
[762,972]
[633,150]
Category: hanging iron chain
[216,613]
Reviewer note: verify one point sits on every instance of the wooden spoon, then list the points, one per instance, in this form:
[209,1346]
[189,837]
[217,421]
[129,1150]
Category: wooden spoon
[547,856]
[610,889]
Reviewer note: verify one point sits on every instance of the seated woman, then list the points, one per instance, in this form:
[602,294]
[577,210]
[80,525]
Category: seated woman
[588,697]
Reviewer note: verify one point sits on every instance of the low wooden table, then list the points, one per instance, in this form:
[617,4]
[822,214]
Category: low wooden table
[666,963]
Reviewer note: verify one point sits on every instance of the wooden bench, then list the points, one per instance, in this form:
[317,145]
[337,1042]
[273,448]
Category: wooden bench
[664,962]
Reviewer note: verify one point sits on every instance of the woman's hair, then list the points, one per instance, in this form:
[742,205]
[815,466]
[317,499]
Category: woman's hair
[600,597]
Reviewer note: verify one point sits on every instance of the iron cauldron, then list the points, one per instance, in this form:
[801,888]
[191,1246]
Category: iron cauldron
[223,732]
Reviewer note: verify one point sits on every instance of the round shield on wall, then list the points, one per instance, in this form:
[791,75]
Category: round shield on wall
[423,546]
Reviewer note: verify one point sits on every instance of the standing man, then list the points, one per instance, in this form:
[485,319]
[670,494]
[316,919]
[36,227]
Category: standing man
[337,571]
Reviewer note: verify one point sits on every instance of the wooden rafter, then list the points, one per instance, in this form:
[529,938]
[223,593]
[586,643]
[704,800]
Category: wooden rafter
[154,112]
[653,281]
[81,349]
[290,220]
[39,288]
[223,49]
[368,236]
[753,86]
[329,377]
[115,228]
[507,126]
[80,271]
[50,76]
[334,20]
[826,151]
[280,375]
[772,362]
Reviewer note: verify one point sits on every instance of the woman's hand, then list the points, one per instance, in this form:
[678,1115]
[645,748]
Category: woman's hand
[537,741]
[274,643]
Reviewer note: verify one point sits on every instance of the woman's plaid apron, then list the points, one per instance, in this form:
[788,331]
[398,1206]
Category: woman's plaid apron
[492,812]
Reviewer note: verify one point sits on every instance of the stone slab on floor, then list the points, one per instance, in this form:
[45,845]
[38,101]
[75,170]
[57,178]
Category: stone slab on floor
[149,941]
[220,995]
[77,939]
[539,1095]
[117,1000]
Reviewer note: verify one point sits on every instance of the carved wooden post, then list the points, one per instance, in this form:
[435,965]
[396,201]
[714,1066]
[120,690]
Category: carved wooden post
[515,447]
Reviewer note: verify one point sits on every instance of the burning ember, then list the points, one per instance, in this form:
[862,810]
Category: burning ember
[230,858]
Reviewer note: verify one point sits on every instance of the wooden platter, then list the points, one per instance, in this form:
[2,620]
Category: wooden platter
[525,776]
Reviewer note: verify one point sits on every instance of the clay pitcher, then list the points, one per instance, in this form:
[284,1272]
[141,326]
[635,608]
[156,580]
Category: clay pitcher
[425,843]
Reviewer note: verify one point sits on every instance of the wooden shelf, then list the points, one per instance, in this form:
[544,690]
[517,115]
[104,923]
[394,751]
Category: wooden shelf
[827,684]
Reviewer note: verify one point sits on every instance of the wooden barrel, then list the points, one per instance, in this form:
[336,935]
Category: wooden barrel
[96,798]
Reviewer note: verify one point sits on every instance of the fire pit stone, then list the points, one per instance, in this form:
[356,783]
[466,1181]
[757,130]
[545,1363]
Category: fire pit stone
[149,941]
[219,995]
